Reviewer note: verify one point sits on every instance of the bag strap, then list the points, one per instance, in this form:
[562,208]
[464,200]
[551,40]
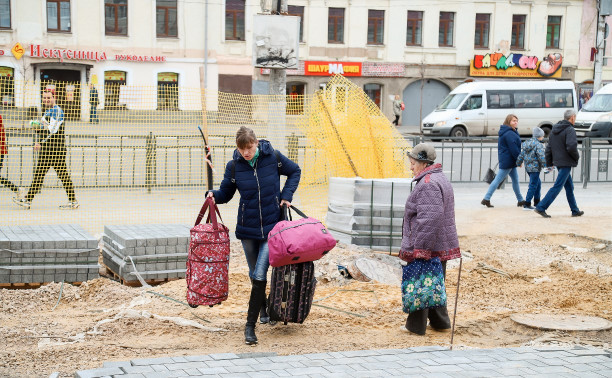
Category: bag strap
[210,205]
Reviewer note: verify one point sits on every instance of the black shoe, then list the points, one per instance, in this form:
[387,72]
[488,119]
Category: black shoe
[578,214]
[249,334]
[521,203]
[263,316]
[487,203]
[542,213]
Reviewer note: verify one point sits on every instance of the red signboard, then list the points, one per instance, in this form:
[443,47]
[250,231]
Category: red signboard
[312,68]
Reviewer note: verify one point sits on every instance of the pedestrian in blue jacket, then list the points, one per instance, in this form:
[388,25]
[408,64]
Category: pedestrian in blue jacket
[532,153]
[255,172]
[508,150]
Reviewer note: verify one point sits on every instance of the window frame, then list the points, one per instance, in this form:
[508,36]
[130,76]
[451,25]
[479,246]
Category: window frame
[59,16]
[379,21]
[516,33]
[301,16]
[482,26]
[235,13]
[417,24]
[166,20]
[335,19]
[380,89]
[446,23]
[10,26]
[116,17]
[557,27]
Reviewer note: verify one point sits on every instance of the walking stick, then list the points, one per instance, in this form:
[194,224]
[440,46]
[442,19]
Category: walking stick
[208,159]
[456,299]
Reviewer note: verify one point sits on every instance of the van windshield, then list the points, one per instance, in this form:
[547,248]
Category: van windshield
[599,103]
[452,101]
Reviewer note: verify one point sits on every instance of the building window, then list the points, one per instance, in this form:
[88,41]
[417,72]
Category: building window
[234,20]
[518,31]
[58,15]
[295,98]
[115,17]
[481,36]
[376,23]
[335,25]
[167,91]
[415,28]
[113,81]
[5,14]
[7,87]
[295,10]
[445,34]
[166,18]
[374,92]
[553,31]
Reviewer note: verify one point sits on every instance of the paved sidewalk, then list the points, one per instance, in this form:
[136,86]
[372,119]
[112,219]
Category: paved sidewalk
[412,362]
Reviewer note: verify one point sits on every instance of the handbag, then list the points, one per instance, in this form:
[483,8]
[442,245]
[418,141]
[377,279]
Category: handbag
[296,241]
[490,176]
[423,285]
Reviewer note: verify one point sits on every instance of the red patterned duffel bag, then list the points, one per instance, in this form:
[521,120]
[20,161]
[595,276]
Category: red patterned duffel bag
[208,259]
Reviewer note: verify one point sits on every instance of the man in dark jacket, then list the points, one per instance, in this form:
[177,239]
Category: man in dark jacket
[562,152]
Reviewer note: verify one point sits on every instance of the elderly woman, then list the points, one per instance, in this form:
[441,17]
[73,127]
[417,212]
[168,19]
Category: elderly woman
[429,239]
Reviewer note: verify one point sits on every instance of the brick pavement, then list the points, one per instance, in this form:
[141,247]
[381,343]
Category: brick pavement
[426,361]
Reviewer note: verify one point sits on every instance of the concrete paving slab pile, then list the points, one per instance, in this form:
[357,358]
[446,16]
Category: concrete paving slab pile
[47,253]
[368,212]
[154,251]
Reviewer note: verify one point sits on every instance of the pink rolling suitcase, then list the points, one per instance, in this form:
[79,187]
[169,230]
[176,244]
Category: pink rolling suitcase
[208,259]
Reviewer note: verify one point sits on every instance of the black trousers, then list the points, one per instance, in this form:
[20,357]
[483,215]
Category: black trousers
[438,316]
[6,182]
[396,121]
[47,160]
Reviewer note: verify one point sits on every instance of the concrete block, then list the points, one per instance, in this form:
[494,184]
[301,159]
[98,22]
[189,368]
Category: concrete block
[15,245]
[15,278]
[97,373]
[172,241]
[151,242]
[160,250]
[139,251]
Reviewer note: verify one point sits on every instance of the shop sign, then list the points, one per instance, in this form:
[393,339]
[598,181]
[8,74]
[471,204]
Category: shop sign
[516,65]
[36,51]
[114,75]
[167,77]
[330,68]
[6,72]
[17,51]
[141,58]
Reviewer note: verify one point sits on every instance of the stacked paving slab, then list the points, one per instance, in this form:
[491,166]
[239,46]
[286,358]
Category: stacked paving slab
[368,212]
[47,253]
[156,251]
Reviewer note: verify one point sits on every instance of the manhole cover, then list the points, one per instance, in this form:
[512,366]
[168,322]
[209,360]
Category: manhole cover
[562,322]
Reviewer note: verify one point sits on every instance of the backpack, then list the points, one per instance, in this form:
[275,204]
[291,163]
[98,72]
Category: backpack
[278,162]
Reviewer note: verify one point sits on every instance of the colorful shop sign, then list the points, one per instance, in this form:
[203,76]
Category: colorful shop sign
[312,68]
[167,77]
[6,72]
[516,65]
[114,76]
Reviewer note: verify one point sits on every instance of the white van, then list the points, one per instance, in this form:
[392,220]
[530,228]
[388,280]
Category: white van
[480,107]
[599,106]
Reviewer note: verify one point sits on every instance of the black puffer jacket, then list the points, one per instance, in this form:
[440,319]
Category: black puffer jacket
[562,148]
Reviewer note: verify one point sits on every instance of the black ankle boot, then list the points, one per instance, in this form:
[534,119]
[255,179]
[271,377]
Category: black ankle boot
[520,204]
[263,313]
[249,334]
[258,296]
[487,203]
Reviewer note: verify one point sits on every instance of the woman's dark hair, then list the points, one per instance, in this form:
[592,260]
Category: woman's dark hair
[509,119]
[245,137]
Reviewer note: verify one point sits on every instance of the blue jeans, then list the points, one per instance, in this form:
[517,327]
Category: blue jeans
[93,115]
[256,253]
[535,187]
[501,175]
[564,180]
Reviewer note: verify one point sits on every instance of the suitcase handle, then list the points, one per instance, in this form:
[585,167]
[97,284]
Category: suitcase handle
[212,208]
[286,212]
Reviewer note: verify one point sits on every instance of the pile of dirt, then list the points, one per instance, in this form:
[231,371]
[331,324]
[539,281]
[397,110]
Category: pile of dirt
[103,321]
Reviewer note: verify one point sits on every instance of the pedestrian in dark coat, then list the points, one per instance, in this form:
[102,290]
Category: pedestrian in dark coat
[508,150]
[562,152]
[429,239]
[255,172]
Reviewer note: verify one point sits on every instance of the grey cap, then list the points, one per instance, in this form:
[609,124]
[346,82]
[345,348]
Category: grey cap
[537,132]
[423,152]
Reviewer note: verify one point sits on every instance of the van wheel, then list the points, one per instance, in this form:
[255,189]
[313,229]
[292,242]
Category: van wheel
[546,130]
[458,132]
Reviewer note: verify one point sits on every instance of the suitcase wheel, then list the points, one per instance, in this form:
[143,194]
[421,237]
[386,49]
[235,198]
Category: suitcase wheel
[193,305]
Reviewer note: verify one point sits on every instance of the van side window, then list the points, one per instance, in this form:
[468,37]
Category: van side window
[474,102]
[499,100]
[528,99]
[558,98]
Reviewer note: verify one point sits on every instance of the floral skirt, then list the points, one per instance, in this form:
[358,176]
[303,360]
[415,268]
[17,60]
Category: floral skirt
[423,285]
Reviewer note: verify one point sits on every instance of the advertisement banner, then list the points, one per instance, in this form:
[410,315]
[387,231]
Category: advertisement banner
[312,68]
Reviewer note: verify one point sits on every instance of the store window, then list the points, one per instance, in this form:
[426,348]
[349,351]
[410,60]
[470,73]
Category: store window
[7,86]
[166,18]
[234,20]
[113,82]
[58,15]
[445,33]
[167,91]
[295,98]
[518,31]
[481,35]
[553,32]
[414,30]
[374,92]
[376,26]
[5,14]
[295,10]
[115,17]
[335,25]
